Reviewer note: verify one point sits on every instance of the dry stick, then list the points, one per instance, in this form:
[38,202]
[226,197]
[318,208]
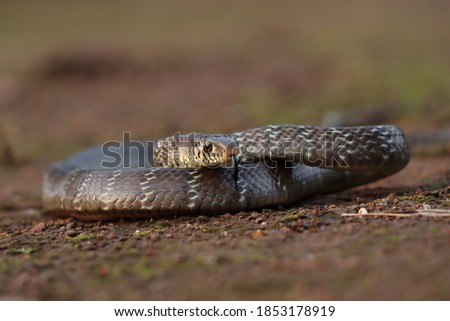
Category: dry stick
[428,213]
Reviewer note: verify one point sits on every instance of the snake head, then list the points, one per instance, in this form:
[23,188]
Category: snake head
[214,150]
[196,151]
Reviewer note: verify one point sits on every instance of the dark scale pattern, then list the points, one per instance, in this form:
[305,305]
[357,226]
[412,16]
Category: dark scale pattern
[348,156]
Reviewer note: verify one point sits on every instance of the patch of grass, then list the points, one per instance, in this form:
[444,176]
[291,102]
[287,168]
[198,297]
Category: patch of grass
[141,233]
[23,250]
[145,271]
[5,235]
[292,218]
[212,229]
[434,229]
[161,225]
[421,198]
[12,263]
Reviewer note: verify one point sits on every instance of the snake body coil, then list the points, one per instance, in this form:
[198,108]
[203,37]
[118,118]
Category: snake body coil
[280,165]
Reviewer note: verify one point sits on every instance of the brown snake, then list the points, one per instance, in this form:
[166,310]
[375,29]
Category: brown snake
[279,165]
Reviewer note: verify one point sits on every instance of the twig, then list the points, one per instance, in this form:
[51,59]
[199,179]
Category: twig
[427,213]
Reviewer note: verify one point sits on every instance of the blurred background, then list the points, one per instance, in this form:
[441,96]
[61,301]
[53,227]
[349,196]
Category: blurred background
[73,74]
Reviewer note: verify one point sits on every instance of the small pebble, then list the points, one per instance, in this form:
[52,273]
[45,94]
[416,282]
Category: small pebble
[254,215]
[256,234]
[96,228]
[70,225]
[426,207]
[39,227]
[362,211]
[71,233]
[391,197]
[383,202]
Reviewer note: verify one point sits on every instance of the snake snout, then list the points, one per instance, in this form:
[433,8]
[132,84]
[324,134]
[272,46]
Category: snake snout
[234,151]
[231,154]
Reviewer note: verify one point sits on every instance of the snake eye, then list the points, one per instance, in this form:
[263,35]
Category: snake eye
[208,147]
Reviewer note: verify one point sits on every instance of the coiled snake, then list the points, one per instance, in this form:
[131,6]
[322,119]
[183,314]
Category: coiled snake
[279,165]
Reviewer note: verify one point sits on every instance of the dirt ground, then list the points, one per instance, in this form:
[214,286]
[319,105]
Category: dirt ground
[69,80]
[309,252]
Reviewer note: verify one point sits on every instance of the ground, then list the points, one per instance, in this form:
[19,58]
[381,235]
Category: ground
[311,251]
[63,89]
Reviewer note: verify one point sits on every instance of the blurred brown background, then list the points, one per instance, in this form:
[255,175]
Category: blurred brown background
[74,74]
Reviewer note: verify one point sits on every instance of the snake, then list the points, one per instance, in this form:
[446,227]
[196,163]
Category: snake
[199,174]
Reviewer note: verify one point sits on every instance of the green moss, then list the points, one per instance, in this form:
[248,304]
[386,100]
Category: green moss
[145,271]
[421,198]
[140,233]
[435,229]
[23,250]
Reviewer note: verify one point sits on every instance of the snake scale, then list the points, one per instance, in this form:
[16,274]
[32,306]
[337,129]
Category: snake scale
[279,165]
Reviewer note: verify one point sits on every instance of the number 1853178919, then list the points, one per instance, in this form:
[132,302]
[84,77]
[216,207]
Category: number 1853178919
[295,311]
